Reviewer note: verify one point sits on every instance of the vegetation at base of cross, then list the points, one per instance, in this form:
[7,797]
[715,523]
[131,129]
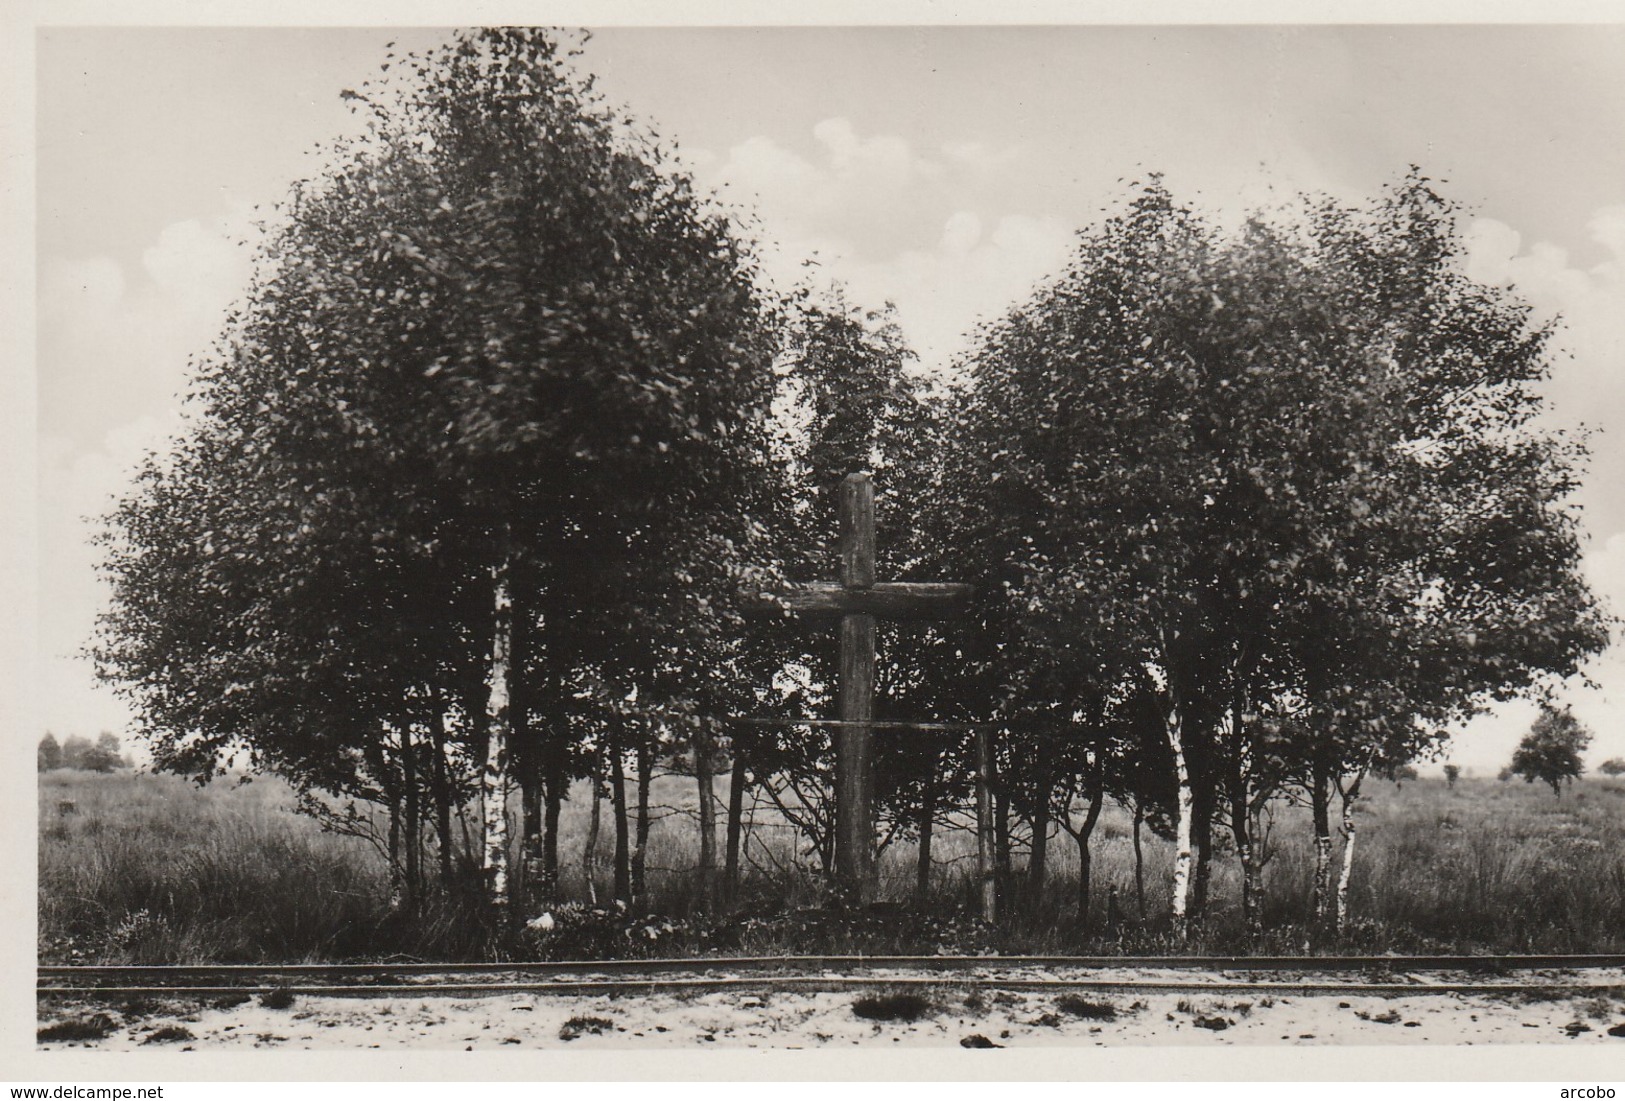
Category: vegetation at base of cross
[510,431]
[152,869]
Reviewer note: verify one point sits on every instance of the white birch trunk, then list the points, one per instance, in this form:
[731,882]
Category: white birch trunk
[589,850]
[1347,869]
[1182,829]
[1173,721]
[495,780]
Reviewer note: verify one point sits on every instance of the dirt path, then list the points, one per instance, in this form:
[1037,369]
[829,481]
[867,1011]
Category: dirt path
[952,1017]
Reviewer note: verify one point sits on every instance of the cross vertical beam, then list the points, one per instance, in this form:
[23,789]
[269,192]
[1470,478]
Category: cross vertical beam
[854,753]
[859,600]
[986,883]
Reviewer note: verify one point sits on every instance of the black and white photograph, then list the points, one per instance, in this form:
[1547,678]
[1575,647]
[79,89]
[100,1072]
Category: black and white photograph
[937,540]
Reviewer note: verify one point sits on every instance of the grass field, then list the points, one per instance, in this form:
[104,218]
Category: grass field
[149,869]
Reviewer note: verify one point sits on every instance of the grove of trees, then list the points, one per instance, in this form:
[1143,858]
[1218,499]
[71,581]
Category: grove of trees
[77,751]
[479,481]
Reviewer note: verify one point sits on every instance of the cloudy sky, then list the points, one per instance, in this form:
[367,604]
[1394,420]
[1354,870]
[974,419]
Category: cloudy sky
[941,168]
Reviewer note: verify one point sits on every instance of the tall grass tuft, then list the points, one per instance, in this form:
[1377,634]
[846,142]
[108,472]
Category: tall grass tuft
[152,869]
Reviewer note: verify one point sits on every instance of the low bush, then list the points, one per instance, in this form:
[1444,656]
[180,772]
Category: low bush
[902,1005]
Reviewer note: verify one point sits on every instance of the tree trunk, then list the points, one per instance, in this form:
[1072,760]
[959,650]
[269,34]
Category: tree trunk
[1001,846]
[1038,859]
[736,813]
[412,817]
[589,851]
[927,824]
[1173,723]
[1252,886]
[1085,875]
[1203,798]
[442,790]
[1241,829]
[708,819]
[1097,796]
[641,845]
[532,796]
[1139,860]
[1321,894]
[397,880]
[383,768]
[556,790]
[523,738]
[986,870]
[623,839]
[1344,873]
[495,781]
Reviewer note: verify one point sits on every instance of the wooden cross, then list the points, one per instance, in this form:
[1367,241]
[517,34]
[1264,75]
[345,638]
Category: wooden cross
[860,600]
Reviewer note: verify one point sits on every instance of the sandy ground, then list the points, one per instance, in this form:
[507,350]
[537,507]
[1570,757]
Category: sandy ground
[826,1020]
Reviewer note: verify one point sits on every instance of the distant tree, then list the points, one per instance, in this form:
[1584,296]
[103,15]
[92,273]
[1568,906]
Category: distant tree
[1452,773]
[50,753]
[102,755]
[1550,752]
[1504,775]
[1397,774]
[74,749]
[1614,766]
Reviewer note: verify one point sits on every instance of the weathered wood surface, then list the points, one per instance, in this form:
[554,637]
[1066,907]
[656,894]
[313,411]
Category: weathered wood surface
[916,600]
[854,755]
[987,885]
[859,601]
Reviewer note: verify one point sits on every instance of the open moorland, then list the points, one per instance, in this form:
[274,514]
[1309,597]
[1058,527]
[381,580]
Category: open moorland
[140,868]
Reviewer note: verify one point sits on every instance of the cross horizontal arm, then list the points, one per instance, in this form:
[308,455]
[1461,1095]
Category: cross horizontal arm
[875,724]
[886,600]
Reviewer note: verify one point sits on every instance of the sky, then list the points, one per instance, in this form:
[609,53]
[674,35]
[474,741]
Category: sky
[942,168]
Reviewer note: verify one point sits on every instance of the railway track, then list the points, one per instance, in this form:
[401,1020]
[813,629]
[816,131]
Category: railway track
[1380,975]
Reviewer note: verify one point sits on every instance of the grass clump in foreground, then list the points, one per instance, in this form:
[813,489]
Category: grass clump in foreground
[1086,1009]
[78,1028]
[581,1026]
[900,1005]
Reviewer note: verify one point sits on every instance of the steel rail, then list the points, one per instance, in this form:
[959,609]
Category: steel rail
[842,982]
[807,963]
[769,973]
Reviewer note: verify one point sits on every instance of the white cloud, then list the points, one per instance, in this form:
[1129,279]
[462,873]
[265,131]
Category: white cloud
[895,224]
[961,232]
[943,292]
[114,347]
[1587,387]
[199,268]
[1588,379]
[1605,569]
